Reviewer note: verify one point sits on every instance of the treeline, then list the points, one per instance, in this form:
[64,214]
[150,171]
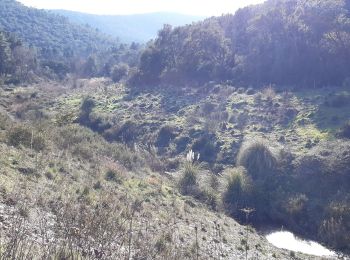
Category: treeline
[16,59]
[289,42]
[20,62]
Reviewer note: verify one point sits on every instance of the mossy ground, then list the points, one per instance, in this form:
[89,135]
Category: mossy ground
[296,119]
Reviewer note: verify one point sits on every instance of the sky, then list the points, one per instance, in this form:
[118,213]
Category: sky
[191,7]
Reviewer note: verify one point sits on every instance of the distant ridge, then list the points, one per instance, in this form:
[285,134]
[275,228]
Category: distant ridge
[130,28]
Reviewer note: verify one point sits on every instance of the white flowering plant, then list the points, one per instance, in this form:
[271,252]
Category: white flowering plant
[191,157]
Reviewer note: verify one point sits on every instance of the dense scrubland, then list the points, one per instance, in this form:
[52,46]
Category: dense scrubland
[154,152]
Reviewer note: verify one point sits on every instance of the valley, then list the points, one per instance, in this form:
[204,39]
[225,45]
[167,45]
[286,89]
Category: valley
[189,146]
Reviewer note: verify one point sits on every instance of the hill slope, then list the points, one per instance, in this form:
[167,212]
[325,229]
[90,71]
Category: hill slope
[54,35]
[69,194]
[128,28]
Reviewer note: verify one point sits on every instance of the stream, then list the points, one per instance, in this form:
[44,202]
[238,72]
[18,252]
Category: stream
[287,240]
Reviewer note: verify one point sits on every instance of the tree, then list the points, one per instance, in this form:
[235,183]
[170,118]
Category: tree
[5,54]
[151,65]
[119,71]
[25,61]
[90,67]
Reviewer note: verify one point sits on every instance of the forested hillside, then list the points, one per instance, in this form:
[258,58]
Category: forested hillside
[39,43]
[128,28]
[294,42]
[53,35]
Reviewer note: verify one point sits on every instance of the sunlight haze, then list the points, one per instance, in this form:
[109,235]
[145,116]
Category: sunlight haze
[191,7]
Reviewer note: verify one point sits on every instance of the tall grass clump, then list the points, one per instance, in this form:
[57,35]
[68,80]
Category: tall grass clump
[237,188]
[188,182]
[257,158]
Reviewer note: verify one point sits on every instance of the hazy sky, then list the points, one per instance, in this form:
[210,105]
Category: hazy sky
[194,7]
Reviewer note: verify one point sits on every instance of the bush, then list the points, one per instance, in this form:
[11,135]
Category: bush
[126,133]
[86,118]
[119,71]
[19,136]
[71,135]
[344,132]
[335,227]
[237,189]
[111,175]
[181,143]
[207,146]
[86,108]
[165,135]
[22,135]
[257,158]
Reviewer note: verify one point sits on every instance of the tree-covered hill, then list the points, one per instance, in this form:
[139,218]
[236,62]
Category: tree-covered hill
[40,43]
[129,28]
[289,42]
[54,35]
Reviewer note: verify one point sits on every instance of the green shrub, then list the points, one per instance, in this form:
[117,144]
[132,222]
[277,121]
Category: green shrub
[165,135]
[181,143]
[207,146]
[111,175]
[257,158]
[69,136]
[238,186]
[126,133]
[86,108]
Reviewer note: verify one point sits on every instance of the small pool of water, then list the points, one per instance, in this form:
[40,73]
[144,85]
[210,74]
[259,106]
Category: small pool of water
[287,240]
